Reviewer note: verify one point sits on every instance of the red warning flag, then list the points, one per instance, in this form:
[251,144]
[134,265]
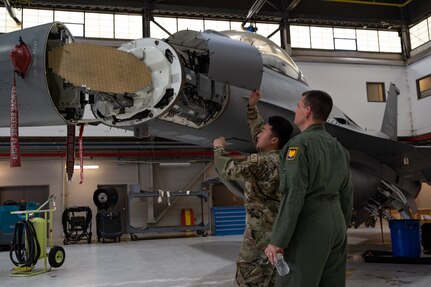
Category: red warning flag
[70,151]
[21,59]
[81,153]
[15,153]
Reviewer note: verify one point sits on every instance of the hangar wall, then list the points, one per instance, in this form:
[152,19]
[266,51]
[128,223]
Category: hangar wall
[347,84]
[421,117]
[38,172]
[423,201]
[51,172]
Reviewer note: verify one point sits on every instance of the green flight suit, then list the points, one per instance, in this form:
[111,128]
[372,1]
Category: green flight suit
[315,210]
[260,172]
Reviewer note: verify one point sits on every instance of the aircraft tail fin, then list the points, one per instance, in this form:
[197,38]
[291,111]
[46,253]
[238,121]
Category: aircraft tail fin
[389,124]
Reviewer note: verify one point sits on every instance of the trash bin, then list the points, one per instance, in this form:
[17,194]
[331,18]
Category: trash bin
[405,236]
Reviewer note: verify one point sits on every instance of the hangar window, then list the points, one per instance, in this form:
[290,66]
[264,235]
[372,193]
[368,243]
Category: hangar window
[170,24]
[344,39]
[267,30]
[429,26]
[128,26]
[376,92]
[235,25]
[419,34]
[423,86]
[7,24]
[190,24]
[216,25]
[34,17]
[300,36]
[322,38]
[73,20]
[99,25]
[367,40]
[389,41]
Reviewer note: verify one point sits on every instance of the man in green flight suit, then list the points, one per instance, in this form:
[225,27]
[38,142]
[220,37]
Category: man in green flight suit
[261,196]
[317,200]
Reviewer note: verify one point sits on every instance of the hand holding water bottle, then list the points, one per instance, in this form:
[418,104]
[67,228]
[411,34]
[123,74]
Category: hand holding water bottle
[281,265]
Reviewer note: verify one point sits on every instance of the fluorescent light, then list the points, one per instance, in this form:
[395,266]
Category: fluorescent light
[77,166]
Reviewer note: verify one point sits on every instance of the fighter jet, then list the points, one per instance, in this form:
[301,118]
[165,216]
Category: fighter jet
[193,87]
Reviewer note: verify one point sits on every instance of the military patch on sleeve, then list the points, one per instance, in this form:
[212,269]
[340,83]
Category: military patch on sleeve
[254,158]
[291,153]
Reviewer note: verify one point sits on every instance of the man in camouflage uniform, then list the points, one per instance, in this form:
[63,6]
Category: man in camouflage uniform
[261,196]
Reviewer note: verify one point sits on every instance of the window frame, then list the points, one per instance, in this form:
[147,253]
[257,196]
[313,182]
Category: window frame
[382,84]
[427,92]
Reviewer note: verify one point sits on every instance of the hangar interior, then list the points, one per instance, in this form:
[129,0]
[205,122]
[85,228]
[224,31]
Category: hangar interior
[351,49]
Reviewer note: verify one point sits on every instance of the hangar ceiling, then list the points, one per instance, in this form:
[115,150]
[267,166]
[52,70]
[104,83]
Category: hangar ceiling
[353,13]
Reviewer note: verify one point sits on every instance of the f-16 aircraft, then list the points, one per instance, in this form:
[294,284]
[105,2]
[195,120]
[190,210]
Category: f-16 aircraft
[193,87]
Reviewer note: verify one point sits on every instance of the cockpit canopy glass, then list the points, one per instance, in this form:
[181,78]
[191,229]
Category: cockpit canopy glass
[273,56]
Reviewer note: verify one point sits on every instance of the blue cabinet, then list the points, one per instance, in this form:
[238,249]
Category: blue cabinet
[228,220]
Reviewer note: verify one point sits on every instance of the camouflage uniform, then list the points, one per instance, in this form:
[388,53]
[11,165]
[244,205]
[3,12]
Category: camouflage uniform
[261,200]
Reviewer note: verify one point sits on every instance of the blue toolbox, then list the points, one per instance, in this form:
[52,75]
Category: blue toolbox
[8,220]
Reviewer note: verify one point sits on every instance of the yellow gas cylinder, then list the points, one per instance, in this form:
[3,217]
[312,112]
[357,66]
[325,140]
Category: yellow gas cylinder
[39,225]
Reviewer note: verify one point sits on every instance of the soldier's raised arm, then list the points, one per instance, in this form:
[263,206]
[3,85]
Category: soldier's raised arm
[255,121]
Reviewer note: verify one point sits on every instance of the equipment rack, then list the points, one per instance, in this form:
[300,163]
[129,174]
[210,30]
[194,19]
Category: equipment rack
[200,228]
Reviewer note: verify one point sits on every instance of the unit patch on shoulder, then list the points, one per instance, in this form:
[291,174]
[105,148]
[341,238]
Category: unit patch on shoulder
[291,153]
[254,158]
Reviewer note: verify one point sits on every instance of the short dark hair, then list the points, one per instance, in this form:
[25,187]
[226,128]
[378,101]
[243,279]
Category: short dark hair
[281,129]
[320,103]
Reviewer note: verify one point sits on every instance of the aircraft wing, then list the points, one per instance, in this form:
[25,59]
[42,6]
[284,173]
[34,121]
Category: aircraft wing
[409,161]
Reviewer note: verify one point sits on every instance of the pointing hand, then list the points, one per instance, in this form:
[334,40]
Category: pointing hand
[254,98]
[220,141]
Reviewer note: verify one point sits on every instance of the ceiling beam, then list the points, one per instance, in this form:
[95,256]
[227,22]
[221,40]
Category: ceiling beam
[292,5]
[364,2]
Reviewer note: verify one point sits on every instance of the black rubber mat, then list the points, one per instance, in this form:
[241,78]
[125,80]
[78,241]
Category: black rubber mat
[378,256]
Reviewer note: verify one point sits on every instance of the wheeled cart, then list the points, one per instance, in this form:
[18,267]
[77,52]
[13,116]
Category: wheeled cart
[108,225]
[77,224]
[26,250]
[200,228]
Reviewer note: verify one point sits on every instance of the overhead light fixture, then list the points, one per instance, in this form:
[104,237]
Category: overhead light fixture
[94,166]
[174,163]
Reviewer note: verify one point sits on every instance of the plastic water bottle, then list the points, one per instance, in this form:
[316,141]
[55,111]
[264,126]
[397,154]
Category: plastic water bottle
[281,265]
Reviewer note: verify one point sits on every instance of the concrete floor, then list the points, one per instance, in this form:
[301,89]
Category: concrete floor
[197,261]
